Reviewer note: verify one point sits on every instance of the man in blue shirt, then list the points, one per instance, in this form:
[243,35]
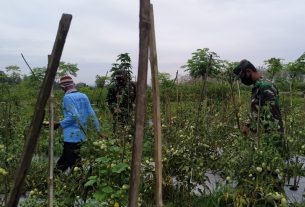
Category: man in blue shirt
[78,117]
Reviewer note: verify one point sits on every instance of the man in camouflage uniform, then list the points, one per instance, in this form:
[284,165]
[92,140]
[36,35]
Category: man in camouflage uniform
[264,102]
[265,112]
[121,97]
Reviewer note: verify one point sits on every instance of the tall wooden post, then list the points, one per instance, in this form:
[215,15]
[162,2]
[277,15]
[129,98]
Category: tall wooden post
[51,151]
[51,147]
[156,109]
[140,104]
[39,112]
[203,93]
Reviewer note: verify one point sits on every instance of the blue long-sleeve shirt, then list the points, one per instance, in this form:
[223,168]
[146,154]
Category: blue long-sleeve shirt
[78,116]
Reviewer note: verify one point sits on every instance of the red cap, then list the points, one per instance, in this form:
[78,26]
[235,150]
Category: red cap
[66,81]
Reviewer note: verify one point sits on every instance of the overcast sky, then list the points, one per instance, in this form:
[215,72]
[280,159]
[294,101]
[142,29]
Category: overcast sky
[101,29]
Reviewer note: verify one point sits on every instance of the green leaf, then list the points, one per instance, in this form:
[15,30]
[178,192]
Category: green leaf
[90,183]
[92,180]
[103,171]
[107,189]
[100,196]
[119,168]
[102,159]
[114,149]
[94,177]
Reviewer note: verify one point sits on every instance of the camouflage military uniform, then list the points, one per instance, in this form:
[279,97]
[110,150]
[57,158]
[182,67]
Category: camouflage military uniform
[265,103]
[265,106]
[265,100]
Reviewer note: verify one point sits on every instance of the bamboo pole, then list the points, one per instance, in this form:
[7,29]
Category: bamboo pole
[205,85]
[203,93]
[156,109]
[51,147]
[28,65]
[39,112]
[140,104]
[51,152]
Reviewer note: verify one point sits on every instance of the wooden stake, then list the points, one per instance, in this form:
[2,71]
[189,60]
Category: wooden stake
[28,65]
[51,151]
[238,89]
[205,85]
[140,104]
[203,93]
[156,109]
[235,107]
[51,147]
[39,112]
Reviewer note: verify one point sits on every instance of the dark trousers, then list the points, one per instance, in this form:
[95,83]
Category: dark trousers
[70,156]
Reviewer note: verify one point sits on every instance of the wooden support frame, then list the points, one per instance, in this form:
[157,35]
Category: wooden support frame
[51,151]
[140,104]
[34,131]
[156,109]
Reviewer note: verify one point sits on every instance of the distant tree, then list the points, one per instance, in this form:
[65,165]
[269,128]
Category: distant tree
[296,69]
[274,66]
[100,81]
[203,63]
[3,77]
[67,69]
[227,71]
[14,76]
[35,78]
[198,65]
[39,73]
[123,62]
[165,81]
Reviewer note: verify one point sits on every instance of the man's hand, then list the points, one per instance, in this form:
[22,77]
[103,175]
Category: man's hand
[245,131]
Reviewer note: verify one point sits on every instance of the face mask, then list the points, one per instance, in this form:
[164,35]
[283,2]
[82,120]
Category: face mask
[247,80]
